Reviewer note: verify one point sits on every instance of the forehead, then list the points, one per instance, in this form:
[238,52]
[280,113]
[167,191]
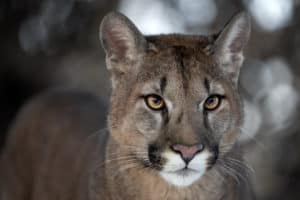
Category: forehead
[179,58]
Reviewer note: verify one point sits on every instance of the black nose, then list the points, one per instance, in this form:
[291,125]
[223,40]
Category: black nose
[187,153]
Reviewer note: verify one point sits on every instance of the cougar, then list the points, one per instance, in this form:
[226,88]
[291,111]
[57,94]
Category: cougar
[172,129]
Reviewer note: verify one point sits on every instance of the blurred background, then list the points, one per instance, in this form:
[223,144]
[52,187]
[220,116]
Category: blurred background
[54,43]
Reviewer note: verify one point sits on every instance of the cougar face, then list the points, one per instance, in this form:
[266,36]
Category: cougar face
[175,107]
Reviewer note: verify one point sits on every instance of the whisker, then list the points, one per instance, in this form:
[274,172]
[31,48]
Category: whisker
[240,164]
[230,173]
[116,159]
[124,168]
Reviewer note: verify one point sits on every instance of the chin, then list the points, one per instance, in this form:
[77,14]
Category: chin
[182,178]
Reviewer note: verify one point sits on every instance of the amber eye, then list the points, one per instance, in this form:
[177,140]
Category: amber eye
[155,102]
[212,102]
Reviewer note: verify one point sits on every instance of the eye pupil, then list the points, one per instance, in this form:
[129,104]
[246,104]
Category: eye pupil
[210,100]
[156,100]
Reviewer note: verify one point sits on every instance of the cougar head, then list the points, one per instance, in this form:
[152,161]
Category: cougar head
[175,107]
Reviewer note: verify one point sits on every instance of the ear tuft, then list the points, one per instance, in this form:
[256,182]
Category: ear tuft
[121,40]
[229,45]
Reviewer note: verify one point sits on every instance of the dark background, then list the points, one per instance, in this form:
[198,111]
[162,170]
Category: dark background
[54,43]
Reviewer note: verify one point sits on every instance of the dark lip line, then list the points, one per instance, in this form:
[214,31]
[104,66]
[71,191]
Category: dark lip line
[183,170]
[187,169]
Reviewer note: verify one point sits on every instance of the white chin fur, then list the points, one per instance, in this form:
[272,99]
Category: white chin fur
[174,171]
[181,179]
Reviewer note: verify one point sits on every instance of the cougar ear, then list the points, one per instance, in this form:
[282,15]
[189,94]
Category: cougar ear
[122,41]
[229,45]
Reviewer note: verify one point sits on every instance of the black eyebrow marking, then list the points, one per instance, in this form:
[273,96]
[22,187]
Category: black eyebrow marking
[179,119]
[205,120]
[163,83]
[182,68]
[207,85]
[165,115]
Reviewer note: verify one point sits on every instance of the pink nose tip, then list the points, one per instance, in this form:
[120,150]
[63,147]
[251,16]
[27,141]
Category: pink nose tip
[187,152]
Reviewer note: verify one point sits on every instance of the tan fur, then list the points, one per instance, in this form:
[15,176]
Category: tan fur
[56,151]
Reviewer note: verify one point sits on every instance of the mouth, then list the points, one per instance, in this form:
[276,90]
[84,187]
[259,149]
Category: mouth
[185,171]
[183,177]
